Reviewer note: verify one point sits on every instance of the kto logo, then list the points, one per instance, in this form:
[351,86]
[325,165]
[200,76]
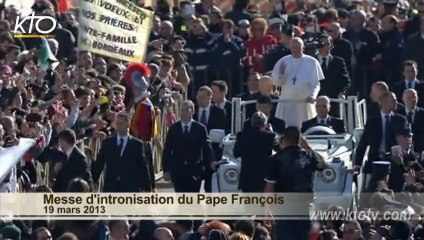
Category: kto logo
[43,26]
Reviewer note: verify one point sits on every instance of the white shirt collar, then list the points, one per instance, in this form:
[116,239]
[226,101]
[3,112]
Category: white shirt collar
[222,104]
[122,137]
[207,108]
[187,124]
[69,152]
[413,82]
[320,119]
[383,115]
[410,110]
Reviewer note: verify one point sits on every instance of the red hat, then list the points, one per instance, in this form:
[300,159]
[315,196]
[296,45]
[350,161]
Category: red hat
[136,74]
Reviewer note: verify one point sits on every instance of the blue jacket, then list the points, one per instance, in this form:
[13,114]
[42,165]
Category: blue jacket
[198,51]
[226,55]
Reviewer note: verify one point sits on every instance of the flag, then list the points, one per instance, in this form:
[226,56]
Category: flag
[46,56]
[11,156]
[63,6]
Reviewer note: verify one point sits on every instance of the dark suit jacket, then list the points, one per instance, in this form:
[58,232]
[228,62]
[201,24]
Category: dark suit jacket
[278,125]
[251,108]
[336,124]
[126,173]
[246,95]
[254,147]
[400,87]
[186,157]
[228,112]
[74,167]
[374,109]
[372,137]
[417,129]
[337,78]
[217,119]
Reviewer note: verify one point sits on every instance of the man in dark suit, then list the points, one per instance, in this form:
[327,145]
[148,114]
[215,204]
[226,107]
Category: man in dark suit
[410,72]
[254,147]
[219,93]
[337,80]
[75,166]
[126,164]
[377,90]
[341,47]
[252,85]
[379,134]
[187,152]
[323,107]
[264,105]
[212,117]
[414,48]
[366,45]
[415,117]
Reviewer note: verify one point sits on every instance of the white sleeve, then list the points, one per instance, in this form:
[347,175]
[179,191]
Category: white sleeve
[276,76]
[317,76]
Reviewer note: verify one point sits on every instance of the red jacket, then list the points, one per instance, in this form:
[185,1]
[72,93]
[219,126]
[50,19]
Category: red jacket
[258,47]
[143,121]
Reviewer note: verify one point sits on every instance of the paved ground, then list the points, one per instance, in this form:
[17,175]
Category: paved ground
[164,186]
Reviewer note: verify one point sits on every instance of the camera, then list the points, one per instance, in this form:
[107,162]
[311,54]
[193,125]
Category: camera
[312,43]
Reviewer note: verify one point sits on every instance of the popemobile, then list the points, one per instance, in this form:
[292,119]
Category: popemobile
[336,185]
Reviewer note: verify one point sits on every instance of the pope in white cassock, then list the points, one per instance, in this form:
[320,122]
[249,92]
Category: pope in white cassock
[299,76]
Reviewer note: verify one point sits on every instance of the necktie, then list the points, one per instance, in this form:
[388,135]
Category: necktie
[203,117]
[121,146]
[410,84]
[387,136]
[324,63]
[409,117]
[322,121]
[185,130]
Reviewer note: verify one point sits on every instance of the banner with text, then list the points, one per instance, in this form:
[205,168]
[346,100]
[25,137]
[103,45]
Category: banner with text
[114,28]
[152,205]
[259,206]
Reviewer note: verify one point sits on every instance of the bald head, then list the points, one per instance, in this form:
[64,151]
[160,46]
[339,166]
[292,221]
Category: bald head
[410,98]
[266,85]
[334,30]
[377,89]
[166,29]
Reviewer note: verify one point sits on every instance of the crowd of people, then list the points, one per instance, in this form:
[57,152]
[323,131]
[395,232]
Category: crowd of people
[88,112]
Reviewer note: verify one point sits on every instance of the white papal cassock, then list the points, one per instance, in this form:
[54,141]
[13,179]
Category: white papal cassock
[299,81]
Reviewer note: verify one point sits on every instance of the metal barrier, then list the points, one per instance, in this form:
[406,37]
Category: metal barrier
[353,113]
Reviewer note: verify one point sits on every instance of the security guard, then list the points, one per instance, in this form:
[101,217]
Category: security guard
[291,170]
[380,177]
[390,7]
[403,159]
[378,183]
